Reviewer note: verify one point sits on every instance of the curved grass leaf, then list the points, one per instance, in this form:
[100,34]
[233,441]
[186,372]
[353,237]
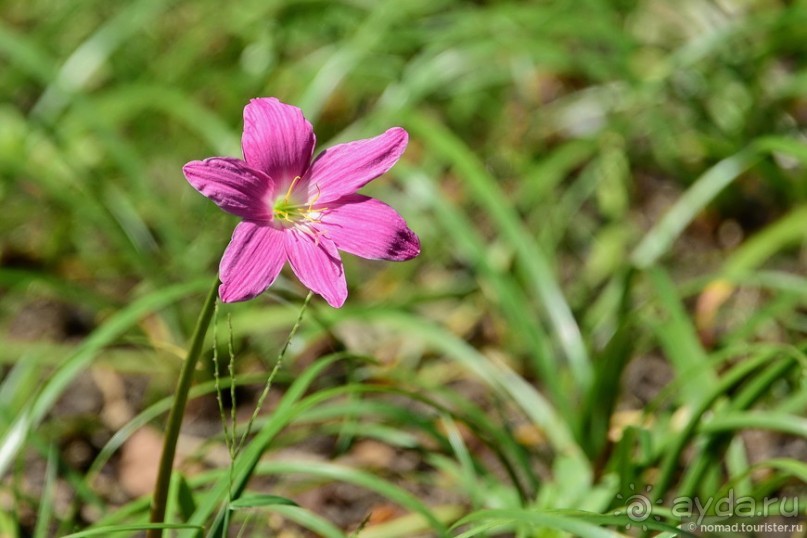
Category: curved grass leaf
[309,520]
[360,478]
[534,262]
[259,500]
[106,531]
[107,333]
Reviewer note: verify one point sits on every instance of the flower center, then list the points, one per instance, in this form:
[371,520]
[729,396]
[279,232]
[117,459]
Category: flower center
[288,210]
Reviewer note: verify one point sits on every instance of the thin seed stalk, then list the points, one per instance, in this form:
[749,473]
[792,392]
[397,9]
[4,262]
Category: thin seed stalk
[217,380]
[160,498]
[267,387]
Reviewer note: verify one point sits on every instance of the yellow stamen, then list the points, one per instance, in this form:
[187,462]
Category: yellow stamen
[314,201]
[291,187]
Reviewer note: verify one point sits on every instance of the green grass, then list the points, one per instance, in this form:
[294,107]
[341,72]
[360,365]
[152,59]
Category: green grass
[612,204]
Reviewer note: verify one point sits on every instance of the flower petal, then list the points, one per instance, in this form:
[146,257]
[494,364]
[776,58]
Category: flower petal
[369,228]
[317,264]
[251,262]
[346,168]
[277,139]
[233,186]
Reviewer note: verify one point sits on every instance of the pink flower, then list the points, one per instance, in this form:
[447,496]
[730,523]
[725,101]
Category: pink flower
[298,210]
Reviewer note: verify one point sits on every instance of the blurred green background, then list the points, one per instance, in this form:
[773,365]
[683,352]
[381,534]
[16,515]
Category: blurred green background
[610,197]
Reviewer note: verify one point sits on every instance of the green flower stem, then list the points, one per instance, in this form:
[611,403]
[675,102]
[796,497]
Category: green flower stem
[178,411]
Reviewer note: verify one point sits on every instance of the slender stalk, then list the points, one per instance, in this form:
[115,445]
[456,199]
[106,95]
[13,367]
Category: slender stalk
[217,381]
[160,498]
[267,387]
[235,444]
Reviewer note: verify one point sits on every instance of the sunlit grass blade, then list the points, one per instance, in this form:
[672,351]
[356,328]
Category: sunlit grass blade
[112,530]
[499,376]
[670,460]
[246,463]
[310,520]
[661,237]
[510,454]
[46,507]
[258,500]
[506,291]
[410,524]
[539,275]
[107,333]
[514,520]
[710,452]
[360,478]
[761,246]
[676,334]
[14,387]
[465,462]
[790,466]
[757,420]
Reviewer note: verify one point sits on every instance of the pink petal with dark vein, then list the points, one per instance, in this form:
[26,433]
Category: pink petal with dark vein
[317,264]
[277,139]
[369,228]
[251,262]
[346,168]
[233,186]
